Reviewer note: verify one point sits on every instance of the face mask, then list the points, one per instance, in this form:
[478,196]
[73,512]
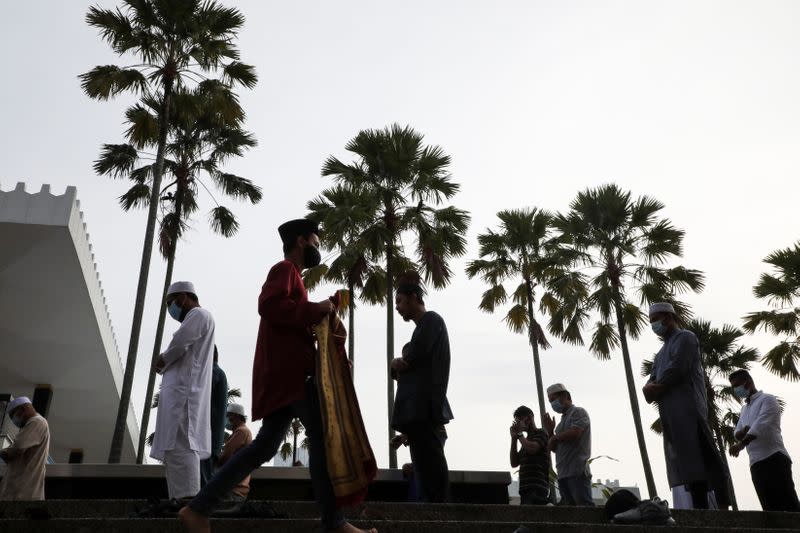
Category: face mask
[229,426]
[175,311]
[741,392]
[311,256]
[18,421]
[557,406]
[659,328]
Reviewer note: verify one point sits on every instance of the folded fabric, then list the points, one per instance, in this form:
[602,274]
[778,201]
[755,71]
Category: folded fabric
[351,463]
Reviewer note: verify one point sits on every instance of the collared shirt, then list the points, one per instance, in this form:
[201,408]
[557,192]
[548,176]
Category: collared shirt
[763,414]
[24,478]
[572,457]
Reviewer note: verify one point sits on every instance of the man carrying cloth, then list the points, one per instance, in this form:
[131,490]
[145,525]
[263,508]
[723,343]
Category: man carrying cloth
[283,383]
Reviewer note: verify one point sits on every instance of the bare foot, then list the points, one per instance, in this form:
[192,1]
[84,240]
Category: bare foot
[350,528]
[194,522]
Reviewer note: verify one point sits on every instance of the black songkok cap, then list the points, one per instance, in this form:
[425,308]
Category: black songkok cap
[300,227]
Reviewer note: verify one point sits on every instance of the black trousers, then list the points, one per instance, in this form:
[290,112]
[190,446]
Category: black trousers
[426,441]
[772,478]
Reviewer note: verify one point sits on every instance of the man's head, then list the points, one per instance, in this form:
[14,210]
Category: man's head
[409,297]
[742,383]
[559,397]
[300,239]
[523,415]
[20,410]
[181,298]
[663,318]
[236,416]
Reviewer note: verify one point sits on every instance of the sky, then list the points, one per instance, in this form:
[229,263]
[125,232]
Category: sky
[693,103]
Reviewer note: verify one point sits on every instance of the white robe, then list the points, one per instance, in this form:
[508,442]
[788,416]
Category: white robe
[185,398]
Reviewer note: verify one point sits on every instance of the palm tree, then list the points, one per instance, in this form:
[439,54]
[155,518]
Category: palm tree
[205,132]
[341,217]
[401,185]
[722,353]
[524,250]
[623,247]
[781,289]
[290,448]
[176,42]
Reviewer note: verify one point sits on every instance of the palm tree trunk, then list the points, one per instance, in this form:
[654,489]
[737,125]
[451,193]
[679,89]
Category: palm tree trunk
[390,349]
[351,325]
[537,369]
[118,437]
[162,315]
[151,380]
[723,453]
[637,417]
[294,447]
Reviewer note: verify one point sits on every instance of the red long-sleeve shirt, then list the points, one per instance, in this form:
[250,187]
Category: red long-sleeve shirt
[285,348]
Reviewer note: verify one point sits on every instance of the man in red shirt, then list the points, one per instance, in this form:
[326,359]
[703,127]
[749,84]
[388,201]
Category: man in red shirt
[283,382]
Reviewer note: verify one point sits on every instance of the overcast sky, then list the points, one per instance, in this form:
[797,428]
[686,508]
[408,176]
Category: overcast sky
[694,103]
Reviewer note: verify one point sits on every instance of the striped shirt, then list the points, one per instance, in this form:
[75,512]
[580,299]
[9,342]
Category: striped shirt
[534,470]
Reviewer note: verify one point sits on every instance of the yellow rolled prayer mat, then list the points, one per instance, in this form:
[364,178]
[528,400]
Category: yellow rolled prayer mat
[351,463]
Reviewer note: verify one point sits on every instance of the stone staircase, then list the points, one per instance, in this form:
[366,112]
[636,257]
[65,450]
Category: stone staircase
[85,516]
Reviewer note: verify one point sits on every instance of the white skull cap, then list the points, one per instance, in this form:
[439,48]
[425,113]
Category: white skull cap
[556,388]
[181,286]
[662,307]
[236,409]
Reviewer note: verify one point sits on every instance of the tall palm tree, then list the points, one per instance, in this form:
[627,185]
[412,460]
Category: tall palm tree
[341,217]
[525,251]
[624,247]
[205,132]
[402,185]
[291,448]
[722,353]
[781,290]
[176,42]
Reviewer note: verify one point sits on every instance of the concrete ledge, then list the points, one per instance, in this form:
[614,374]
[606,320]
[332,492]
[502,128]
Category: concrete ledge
[399,512]
[304,526]
[103,481]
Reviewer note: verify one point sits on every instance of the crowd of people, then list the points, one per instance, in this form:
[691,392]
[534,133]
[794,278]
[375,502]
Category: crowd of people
[203,470]
[696,472]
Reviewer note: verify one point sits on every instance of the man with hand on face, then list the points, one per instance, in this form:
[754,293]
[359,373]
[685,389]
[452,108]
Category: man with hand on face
[26,458]
[759,430]
[532,458]
[678,385]
[421,408]
[571,441]
[284,387]
[183,420]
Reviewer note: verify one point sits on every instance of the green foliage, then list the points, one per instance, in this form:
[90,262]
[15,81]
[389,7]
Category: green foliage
[781,290]
[394,192]
[620,248]
[524,251]
[202,137]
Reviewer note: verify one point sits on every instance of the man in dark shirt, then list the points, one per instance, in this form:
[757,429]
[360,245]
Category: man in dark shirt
[421,407]
[532,458]
[219,407]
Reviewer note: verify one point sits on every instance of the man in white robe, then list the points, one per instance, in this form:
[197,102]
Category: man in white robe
[183,422]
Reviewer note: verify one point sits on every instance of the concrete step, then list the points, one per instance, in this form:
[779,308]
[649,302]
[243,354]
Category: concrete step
[407,512]
[121,525]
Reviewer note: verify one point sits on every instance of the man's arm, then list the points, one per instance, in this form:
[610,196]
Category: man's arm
[580,421]
[192,329]
[679,360]
[276,305]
